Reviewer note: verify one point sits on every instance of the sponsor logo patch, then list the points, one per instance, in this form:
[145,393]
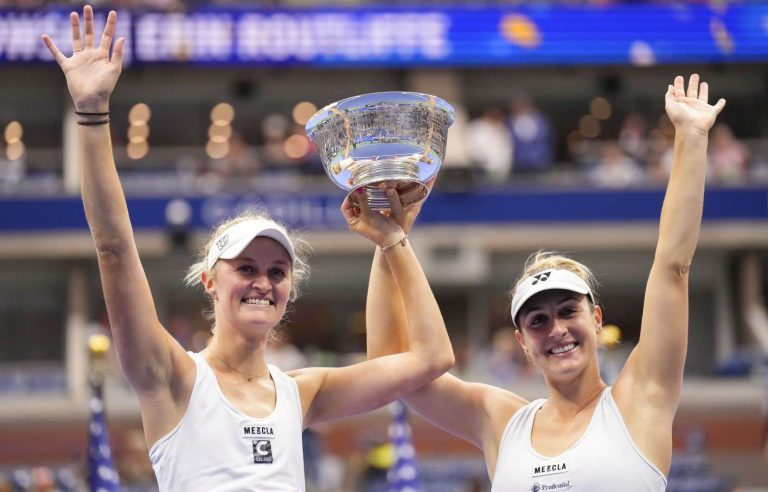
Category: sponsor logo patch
[542,277]
[262,451]
[557,487]
[261,437]
[551,469]
[222,242]
[250,431]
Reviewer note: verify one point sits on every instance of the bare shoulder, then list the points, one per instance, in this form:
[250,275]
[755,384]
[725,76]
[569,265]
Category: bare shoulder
[474,412]
[500,405]
[308,381]
[308,375]
[636,394]
[163,407]
[172,383]
[648,417]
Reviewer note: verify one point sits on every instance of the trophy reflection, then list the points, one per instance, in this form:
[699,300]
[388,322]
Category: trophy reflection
[383,139]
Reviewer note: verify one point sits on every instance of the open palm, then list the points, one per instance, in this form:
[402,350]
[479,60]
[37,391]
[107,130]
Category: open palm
[91,74]
[691,110]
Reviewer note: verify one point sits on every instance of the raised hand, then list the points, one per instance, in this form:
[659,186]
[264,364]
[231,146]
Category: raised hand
[691,110]
[411,212]
[380,228]
[91,74]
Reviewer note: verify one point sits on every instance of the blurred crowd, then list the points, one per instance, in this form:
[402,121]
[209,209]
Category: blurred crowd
[40,479]
[498,146]
[522,144]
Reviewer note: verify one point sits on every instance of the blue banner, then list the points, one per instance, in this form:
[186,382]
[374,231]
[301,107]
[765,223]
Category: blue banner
[399,37]
[322,211]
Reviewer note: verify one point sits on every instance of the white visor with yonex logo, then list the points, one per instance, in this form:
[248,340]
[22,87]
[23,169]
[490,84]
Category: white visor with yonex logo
[235,239]
[548,280]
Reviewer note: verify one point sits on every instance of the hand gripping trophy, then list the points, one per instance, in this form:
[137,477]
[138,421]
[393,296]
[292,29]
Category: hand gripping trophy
[383,139]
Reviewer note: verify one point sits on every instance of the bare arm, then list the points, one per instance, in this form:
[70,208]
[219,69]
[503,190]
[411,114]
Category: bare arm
[474,412]
[648,389]
[146,351]
[333,393]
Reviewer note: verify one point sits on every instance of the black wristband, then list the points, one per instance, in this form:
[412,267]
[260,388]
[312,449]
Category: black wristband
[83,113]
[97,122]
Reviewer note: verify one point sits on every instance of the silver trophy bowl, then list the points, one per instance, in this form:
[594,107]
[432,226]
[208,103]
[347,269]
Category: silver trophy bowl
[374,141]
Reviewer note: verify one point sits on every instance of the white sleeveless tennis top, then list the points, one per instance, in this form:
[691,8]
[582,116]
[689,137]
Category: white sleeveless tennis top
[217,448]
[604,459]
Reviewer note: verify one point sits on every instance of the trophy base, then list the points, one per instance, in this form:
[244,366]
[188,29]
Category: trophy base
[376,175]
[410,192]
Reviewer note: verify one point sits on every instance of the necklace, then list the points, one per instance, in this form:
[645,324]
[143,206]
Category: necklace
[246,377]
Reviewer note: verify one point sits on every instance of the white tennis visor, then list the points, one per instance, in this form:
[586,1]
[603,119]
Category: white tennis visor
[235,239]
[548,280]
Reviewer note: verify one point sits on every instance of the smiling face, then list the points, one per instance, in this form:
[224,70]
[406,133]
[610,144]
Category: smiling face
[252,290]
[558,331]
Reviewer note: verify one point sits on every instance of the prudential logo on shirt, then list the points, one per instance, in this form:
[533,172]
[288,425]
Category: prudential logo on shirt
[543,487]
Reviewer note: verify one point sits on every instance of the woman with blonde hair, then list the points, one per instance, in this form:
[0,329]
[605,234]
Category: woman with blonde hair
[223,419]
[585,436]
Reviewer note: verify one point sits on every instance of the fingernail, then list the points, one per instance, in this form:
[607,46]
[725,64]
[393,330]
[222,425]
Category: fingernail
[390,191]
[360,190]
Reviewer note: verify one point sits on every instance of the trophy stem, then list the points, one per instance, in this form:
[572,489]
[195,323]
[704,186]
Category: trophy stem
[377,198]
[367,171]
[375,176]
